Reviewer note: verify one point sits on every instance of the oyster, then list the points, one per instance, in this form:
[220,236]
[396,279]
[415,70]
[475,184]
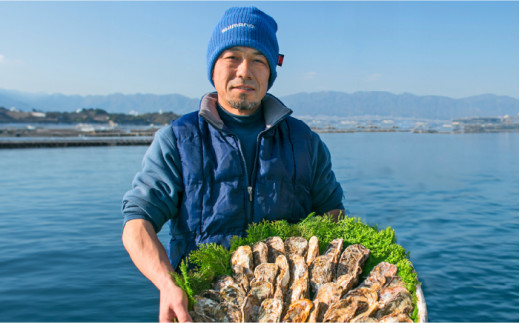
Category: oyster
[242,260]
[364,294]
[328,294]
[196,317]
[350,266]
[394,298]
[379,275]
[334,250]
[266,272]
[358,305]
[296,246]
[298,290]
[275,247]
[270,310]
[250,309]
[204,308]
[321,272]
[261,290]
[226,312]
[259,253]
[283,278]
[352,260]
[313,250]
[232,294]
[299,282]
[366,302]
[395,318]
[222,282]
[298,311]
[346,282]
[298,268]
[211,294]
[242,265]
[342,311]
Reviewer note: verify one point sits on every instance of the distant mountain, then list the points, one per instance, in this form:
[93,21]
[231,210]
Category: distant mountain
[406,105]
[112,103]
[331,104]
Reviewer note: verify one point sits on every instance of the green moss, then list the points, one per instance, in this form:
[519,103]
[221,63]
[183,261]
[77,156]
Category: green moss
[212,260]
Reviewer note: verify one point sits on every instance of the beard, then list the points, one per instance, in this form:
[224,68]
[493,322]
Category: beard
[243,104]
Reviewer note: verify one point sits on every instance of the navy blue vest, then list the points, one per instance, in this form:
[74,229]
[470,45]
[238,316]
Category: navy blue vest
[219,201]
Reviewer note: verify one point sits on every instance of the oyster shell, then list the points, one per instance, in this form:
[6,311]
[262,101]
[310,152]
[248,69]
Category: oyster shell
[296,246]
[259,253]
[328,294]
[298,311]
[298,268]
[299,290]
[350,266]
[299,282]
[204,308]
[313,250]
[342,311]
[366,300]
[232,294]
[222,282]
[211,294]
[353,256]
[334,250]
[250,309]
[275,247]
[226,312]
[379,275]
[364,294]
[261,290]
[321,272]
[346,282]
[394,298]
[266,272]
[242,265]
[395,318]
[352,261]
[196,317]
[270,310]
[283,278]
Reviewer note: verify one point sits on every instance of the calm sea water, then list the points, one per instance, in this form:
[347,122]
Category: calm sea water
[452,200]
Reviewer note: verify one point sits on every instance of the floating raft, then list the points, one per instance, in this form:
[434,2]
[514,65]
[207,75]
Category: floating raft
[74,142]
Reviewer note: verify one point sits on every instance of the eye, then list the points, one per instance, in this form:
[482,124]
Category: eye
[260,60]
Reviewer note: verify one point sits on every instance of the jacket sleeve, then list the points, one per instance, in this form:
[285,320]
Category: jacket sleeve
[326,192]
[157,188]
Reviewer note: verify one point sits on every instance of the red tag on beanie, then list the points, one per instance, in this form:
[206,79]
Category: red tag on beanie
[280,60]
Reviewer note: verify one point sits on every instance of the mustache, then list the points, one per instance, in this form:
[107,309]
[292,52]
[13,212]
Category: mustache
[247,84]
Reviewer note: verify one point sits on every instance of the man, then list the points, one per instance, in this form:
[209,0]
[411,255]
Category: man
[240,159]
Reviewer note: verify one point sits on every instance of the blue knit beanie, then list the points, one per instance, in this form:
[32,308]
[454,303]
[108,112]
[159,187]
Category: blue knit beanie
[248,27]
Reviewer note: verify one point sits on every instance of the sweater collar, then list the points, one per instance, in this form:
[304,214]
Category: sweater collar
[274,110]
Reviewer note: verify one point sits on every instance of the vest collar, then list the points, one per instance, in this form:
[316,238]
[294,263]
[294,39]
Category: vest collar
[274,110]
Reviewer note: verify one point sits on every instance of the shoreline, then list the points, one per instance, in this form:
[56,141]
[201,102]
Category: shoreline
[74,142]
[60,138]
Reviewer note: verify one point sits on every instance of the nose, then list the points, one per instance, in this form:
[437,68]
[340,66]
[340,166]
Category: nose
[244,69]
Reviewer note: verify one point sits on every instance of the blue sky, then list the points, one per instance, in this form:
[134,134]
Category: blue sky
[455,49]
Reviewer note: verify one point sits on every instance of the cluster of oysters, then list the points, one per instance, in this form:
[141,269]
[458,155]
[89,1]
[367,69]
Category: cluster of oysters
[274,280]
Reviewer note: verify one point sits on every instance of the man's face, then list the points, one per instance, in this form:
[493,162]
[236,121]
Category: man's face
[241,76]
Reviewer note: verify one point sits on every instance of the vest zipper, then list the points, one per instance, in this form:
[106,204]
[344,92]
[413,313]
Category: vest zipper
[250,191]
[249,185]
[253,173]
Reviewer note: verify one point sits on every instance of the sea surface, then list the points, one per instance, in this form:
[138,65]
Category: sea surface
[452,200]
